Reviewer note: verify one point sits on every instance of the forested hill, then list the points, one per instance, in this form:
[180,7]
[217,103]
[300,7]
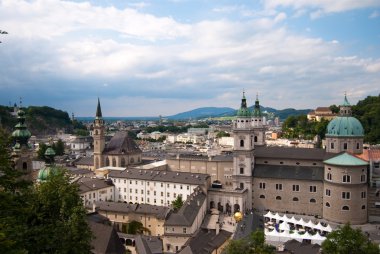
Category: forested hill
[40,120]
[368,113]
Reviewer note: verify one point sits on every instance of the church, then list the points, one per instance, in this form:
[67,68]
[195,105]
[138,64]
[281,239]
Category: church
[330,183]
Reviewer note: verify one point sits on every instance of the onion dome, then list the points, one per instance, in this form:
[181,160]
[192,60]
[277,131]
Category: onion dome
[21,135]
[345,125]
[243,111]
[256,110]
[49,169]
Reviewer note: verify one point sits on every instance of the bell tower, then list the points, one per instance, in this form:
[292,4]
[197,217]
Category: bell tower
[99,137]
[257,124]
[22,152]
[243,151]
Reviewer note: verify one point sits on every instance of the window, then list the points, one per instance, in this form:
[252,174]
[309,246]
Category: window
[346,195]
[329,176]
[136,191]
[345,208]
[184,230]
[346,178]
[162,193]
[125,189]
[376,165]
[328,192]
[312,200]
[174,195]
[296,187]
[241,171]
[147,192]
[364,194]
[281,162]
[188,187]
[362,178]
[142,191]
[241,185]
[180,187]
[332,145]
[357,146]
[168,195]
[295,199]
[327,204]
[278,186]
[162,185]
[174,186]
[363,207]
[255,140]
[262,185]
[154,193]
[344,146]
[313,188]
[262,196]
[278,198]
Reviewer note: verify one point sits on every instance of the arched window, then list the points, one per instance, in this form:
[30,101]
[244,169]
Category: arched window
[363,207]
[329,176]
[357,146]
[25,166]
[345,208]
[241,143]
[278,198]
[107,161]
[113,162]
[255,139]
[327,204]
[312,200]
[295,199]
[346,178]
[96,132]
[262,196]
[122,162]
[132,160]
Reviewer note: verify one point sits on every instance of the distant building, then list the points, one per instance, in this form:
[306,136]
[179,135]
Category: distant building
[321,113]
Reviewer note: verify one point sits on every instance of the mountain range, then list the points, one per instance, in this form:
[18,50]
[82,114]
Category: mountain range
[228,112]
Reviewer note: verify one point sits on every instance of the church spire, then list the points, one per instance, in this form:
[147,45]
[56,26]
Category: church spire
[345,107]
[98,110]
[21,135]
[243,111]
[256,110]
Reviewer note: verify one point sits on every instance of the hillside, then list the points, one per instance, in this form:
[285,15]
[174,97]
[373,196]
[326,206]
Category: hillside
[200,113]
[282,113]
[40,120]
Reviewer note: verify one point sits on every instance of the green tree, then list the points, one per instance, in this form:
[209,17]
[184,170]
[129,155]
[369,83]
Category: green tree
[59,147]
[334,108]
[348,240]
[177,203]
[41,150]
[135,227]
[81,132]
[254,244]
[222,134]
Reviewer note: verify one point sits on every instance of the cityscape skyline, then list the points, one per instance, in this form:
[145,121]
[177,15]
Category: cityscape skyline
[165,57]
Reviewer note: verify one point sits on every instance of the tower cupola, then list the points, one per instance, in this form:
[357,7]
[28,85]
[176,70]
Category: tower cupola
[21,135]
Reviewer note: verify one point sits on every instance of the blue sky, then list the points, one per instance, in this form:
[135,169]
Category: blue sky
[155,58]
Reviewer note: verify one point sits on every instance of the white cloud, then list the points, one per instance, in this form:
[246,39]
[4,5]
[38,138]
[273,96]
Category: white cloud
[321,7]
[150,60]
[374,14]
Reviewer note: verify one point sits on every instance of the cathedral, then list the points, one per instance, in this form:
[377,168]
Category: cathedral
[330,183]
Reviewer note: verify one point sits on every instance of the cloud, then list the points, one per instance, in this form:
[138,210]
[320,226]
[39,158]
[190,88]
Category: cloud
[374,14]
[321,7]
[141,64]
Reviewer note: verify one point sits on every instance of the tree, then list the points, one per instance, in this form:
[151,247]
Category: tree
[222,134]
[59,147]
[177,203]
[348,240]
[254,244]
[134,227]
[41,151]
[45,218]
[334,109]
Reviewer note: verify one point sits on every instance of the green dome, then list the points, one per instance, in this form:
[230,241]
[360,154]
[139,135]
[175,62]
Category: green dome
[345,126]
[21,135]
[45,172]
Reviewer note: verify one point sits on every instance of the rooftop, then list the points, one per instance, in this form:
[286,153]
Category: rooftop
[121,143]
[346,159]
[188,212]
[160,212]
[160,176]
[292,153]
[91,184]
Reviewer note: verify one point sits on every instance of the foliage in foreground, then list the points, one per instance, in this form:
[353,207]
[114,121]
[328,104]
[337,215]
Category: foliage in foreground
[347,240]
[254,244]
[45,218]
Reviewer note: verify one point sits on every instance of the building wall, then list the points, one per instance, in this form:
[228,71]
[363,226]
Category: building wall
[290,162]
[150,192]
[333,200]
[149,221]
[218,170]
[303,193]
[336,145]
[105,194]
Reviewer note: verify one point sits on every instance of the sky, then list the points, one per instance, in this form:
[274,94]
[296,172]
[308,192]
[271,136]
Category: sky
[163,57]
